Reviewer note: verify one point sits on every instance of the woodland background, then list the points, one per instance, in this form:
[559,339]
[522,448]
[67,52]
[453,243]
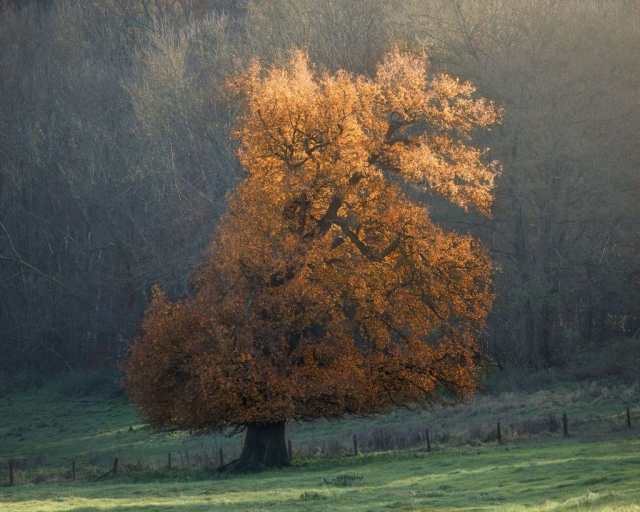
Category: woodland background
[115,156]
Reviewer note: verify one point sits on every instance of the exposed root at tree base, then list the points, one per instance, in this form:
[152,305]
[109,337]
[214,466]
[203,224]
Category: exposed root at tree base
[264,448]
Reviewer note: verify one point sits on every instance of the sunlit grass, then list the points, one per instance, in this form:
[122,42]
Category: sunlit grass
[45,426]
[597,468]
[597,474]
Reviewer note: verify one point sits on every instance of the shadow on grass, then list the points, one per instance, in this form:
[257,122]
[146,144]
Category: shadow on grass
[567,474]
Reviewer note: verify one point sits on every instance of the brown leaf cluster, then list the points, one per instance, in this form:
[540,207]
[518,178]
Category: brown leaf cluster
[327,290]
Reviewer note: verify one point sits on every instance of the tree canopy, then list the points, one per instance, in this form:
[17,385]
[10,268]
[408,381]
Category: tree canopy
[327,290]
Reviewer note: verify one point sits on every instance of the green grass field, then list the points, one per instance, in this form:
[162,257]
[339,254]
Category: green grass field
[46,428]
[597,468]
[597,474]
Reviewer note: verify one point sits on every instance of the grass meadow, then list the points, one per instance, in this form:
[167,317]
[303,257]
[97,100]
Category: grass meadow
[594,474]
[87,419]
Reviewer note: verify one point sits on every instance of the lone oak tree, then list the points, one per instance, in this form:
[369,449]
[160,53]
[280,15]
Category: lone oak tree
[327,290]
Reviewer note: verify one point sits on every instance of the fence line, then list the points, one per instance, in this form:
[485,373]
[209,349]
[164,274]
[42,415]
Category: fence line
[376,440]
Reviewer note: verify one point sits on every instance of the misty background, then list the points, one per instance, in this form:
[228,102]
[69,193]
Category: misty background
[116,155]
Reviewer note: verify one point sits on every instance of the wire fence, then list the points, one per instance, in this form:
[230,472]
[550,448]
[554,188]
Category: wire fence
[503,430]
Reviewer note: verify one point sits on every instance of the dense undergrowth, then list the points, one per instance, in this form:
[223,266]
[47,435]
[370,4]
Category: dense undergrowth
[615,361]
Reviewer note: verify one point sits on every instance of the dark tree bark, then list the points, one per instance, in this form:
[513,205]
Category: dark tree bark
[264,448]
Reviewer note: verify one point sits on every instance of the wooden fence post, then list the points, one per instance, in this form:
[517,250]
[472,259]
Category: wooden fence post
[10,473]
[426,435]
[73,470]
[499,434]
[355,445]
[115,467]
[169,461]
[221,457]
[628,417]
[290,450]
[565,425]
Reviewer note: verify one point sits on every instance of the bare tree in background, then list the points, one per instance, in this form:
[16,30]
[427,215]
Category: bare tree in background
[115,155]
[108,183]
[566,217]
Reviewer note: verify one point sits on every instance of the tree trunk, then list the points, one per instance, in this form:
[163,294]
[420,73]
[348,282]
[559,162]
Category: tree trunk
[264,448]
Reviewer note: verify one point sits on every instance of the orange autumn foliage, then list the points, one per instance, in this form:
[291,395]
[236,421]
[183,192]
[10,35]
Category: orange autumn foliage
[327,290]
